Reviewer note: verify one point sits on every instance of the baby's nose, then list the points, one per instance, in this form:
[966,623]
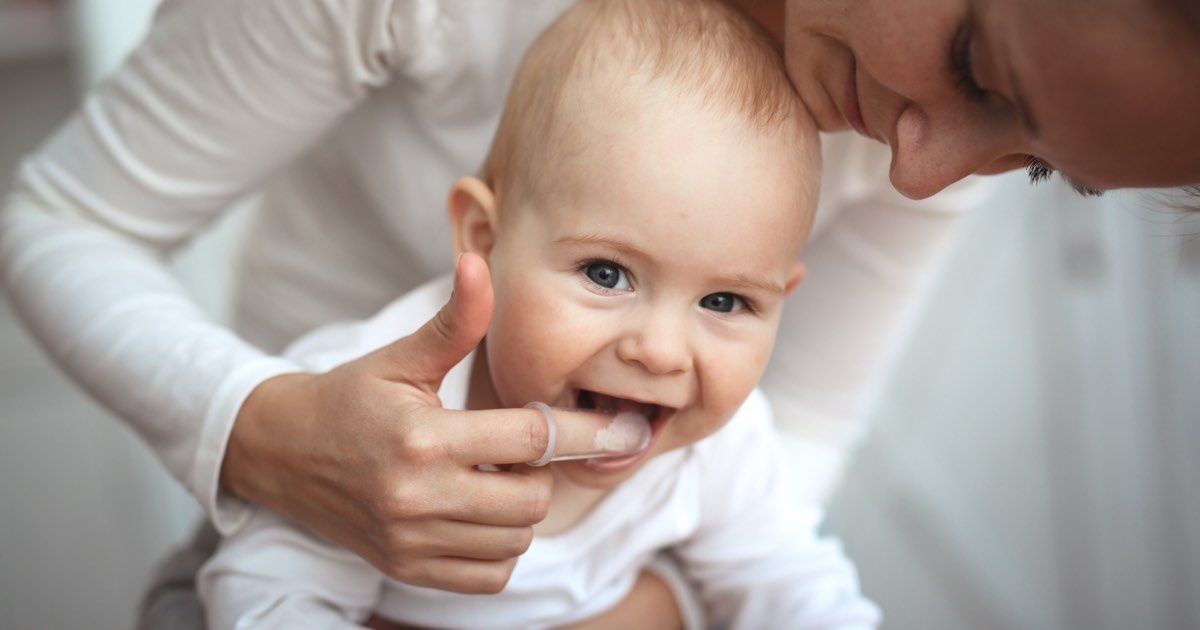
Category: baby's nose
[659,343]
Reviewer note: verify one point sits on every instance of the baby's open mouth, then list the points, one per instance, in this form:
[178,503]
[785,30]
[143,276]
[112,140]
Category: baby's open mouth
[611,406]
[656,415]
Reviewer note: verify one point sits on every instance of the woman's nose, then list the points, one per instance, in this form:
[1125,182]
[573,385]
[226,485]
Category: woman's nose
[658,342]
[930,152]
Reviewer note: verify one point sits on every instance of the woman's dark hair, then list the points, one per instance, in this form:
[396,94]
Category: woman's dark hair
[1193,193]
[1188,11]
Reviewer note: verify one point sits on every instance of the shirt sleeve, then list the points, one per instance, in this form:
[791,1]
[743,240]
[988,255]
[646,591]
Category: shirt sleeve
[867,269]
[756,558]
[220,95]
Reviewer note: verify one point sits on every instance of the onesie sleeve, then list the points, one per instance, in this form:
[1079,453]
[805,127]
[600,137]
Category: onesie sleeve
[867,267]
[756,558]
[221,94]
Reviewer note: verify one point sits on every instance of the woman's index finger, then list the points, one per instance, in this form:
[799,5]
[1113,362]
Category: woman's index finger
[519,436]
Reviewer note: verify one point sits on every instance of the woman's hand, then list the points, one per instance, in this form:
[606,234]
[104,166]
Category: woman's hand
[365,456]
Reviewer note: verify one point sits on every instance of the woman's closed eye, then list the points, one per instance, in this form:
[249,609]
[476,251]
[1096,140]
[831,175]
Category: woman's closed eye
[963,71]
[723,303]
[607,275]
[961,66]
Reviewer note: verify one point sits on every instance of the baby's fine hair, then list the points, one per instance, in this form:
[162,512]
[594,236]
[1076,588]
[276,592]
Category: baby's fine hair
[701,49]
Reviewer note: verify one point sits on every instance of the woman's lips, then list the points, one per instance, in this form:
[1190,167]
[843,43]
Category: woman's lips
[850,108]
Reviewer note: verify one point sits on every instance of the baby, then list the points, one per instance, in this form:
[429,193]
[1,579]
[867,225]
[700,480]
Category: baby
[641,211]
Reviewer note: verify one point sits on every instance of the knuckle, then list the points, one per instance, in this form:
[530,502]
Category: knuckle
[419,446]
[539,502]
[402,543]
[520,542]
[404,502]
[539,434]
[495,578]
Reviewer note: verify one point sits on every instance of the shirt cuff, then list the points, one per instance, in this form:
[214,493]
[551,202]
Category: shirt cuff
[228,512]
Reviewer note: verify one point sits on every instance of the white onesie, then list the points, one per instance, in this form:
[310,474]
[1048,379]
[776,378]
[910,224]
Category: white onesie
[722,505]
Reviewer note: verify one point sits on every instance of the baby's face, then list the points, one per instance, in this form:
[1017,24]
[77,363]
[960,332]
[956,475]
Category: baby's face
[651,278]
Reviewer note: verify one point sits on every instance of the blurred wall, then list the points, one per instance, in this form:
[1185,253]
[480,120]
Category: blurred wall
[87,509]
[1030,465]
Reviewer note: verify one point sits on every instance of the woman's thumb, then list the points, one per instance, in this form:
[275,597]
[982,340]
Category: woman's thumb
[456,329]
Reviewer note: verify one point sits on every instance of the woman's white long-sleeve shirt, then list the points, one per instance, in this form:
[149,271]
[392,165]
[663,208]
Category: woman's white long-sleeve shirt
[352,119]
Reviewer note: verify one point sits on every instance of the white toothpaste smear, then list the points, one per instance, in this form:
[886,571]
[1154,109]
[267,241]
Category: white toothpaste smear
[628,432]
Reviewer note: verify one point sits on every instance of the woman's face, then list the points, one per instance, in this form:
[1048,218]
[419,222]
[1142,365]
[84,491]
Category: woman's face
[1107,92]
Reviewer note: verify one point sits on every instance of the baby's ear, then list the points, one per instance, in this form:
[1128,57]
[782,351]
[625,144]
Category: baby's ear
[794,278]
[472,210]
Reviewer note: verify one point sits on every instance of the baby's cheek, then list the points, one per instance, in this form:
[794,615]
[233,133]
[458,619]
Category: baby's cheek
[730,382]
[723,397]
[724,394]
[693,428]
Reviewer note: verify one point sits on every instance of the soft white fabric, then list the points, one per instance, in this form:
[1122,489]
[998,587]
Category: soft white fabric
[724,506]
[354,118]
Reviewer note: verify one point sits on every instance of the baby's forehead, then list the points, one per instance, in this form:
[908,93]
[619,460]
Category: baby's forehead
[674,164]
[598,123]
[613,134]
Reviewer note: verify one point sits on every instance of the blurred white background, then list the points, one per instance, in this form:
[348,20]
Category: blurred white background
[1030,465]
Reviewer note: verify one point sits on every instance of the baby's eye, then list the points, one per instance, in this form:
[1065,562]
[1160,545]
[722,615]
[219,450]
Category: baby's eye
[722,302]
[608,275]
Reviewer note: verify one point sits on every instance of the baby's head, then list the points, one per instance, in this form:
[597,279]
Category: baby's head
[641,209]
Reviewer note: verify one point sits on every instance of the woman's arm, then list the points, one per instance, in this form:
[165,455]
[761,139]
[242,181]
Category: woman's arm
[871,259]
[221,95]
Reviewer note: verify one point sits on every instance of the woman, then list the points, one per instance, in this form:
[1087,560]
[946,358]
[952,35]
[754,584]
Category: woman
[1100,93]
[352,118]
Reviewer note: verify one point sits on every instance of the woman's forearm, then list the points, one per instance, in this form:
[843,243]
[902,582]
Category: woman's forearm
[220,95]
